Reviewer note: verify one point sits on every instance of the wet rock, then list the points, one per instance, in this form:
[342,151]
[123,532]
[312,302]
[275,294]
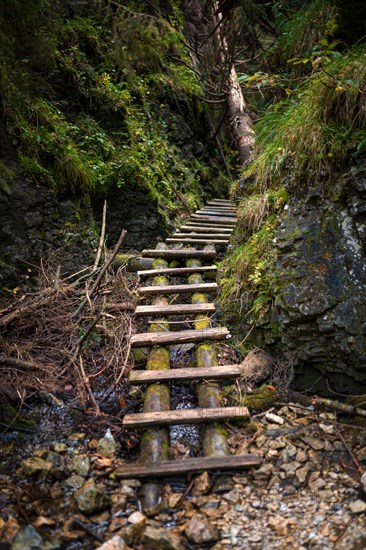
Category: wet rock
[137,518]
[354,538]
[75,481]
[91,499]
[81,465]
[60,447]
[35,465]
[160,539]
[27,539]
[9,531]
[116,543]
[107,445]
[199,530]
[59,470]
[358,506]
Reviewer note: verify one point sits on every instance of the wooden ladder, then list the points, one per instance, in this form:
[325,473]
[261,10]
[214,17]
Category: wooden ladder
[206,229]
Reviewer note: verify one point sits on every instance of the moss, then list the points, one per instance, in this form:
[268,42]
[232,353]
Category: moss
[159,326]
[195,279]
[157,398]
[159,359]
[140,355]
[257,400]
[205,355]
[159,263]
[199,298]
[202,322]
[193,263]
[160,280]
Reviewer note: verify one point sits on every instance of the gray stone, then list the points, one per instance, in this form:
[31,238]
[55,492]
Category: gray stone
[35,465]
[81,465]
[27,539]
[160,539]
[107,445]
[199,530]
[91,499]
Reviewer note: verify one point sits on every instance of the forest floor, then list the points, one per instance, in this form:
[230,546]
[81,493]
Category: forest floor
[63,491]
[59,485]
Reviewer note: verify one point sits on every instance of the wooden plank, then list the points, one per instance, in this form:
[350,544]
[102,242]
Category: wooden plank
[179,337]
[189,466]
[177,289]
[197,228]
[179,375]
[183,416]
[209,223]
[215,213]
[217,220]
[220,201]
[174,309]
[185,253]
[198,235]
[191,240]
[176,270]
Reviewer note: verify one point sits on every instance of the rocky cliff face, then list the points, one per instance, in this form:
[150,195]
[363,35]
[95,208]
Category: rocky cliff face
[320,301]
[318,312]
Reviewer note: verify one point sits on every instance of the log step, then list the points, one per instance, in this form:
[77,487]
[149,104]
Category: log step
[225,202]
[179,337]
[183,416]
[177,254]
[177,289]
[194,235]
[210,225]
[175,309]
[176,270]
[206,229]
[216,219]
[184,375]
[215,213]
[194,465]
[190,240]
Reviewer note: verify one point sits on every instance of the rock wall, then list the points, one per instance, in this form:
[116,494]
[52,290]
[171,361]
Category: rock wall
[320,297]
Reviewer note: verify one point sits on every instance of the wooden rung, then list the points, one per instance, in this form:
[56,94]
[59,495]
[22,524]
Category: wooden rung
[183,416]
[191,240]
[196,227]
[194,465]
[180,375]
[177,289]
[176,270]
[179,337]
[216,214]
[174,309]
[176,254]
[199,235]
[204,223]
[217,220]
[221,201]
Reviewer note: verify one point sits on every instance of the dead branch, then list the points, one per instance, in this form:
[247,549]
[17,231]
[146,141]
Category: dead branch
[102,236]
[101,273]
[12,362]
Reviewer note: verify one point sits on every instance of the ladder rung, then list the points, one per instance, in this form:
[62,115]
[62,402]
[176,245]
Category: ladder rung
[188,374]
[189,465]
[183,416]
[179,337]
[174,309]
[178,289]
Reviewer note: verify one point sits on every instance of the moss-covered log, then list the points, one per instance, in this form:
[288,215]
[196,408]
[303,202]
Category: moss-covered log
[209,394]
[155,442]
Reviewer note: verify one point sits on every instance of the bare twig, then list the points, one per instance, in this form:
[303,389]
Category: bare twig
[102,236]
[12,362]
[101,273]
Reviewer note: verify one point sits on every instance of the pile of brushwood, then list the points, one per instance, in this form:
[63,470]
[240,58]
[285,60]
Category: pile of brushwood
[69,337]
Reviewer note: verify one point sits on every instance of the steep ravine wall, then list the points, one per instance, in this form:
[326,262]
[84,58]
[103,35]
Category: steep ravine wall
[318,311]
